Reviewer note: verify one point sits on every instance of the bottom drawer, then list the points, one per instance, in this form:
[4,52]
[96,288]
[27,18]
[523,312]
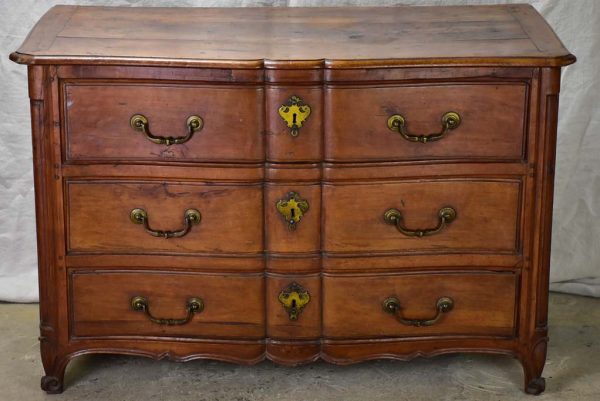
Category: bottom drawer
[423,304]
[197,305]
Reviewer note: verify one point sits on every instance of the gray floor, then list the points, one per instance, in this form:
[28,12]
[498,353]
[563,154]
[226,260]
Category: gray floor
[572,370]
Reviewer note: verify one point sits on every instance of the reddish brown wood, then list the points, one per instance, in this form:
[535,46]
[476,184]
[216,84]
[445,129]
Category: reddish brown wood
[306,237]
[484,304]
[97,122]
[487,217]
[492,122]
[283,147]
[98,217]
[279,325]
[89,72]
[333,37]
[100,304]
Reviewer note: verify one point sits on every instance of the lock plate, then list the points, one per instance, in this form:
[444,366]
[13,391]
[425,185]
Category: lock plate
[292,209]
[294,298]
[294,113]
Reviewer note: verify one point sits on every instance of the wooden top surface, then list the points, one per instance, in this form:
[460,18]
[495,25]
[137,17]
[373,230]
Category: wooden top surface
[341,37]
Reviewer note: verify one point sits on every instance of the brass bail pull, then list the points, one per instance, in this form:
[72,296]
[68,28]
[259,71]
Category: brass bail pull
[446,215]
[190,217]
[139,122]
[450,121]
[193,306]
[443,305]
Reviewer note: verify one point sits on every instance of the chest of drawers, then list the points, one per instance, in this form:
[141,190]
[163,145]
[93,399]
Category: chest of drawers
[293,184]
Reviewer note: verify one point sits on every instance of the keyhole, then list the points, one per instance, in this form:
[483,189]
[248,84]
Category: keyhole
[293,303]
[294,118]
[293,211]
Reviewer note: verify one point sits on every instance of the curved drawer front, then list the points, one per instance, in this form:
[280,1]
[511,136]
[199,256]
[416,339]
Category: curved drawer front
[100,217]
[98,121]
[480,304]
[487,216]
[230,305]
[492,119]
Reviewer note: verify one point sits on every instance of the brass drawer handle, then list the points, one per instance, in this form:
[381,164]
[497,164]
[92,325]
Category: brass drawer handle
[140,123]
[394,217]
[191,216]
[193,306]
[450,121]
[443,305]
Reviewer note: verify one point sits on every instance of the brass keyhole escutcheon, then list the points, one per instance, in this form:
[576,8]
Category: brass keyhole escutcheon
[292,208]
[294,298]
[294,112]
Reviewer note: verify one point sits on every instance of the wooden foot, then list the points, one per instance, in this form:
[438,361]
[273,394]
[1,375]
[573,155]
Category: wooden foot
[533,364]
[52,384]
[536,386]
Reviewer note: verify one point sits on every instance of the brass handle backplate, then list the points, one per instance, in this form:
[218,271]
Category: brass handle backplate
[294,112]
[193,306]
[450,121]
[446,215]
[292,208]
[140,123]
[443,305]
[294,298]
[191,216]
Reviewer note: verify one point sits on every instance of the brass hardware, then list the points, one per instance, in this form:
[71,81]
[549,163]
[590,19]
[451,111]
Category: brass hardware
[193,306]
[191,216]
[294,298]
[394,217]
[450,121]
[443,305]
[292,209]
[294,113]
[140,123]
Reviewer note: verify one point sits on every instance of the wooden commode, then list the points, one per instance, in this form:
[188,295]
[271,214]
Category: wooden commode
[293,183]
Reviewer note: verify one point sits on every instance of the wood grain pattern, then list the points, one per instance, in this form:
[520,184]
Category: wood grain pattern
[484,304]
[100,304]
[308,325]
[487,216]
[492,122]
[306,237]
[97,122]
[99,217]
[308,145]
[257,37]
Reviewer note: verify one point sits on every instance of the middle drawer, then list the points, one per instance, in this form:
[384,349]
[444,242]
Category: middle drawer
[425,215]
[135,217]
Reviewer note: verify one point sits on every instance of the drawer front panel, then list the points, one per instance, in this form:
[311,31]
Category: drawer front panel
[101,304]
[492,119]
[481,304]
[98,122]
[99,217]
[487,216]
[307,142]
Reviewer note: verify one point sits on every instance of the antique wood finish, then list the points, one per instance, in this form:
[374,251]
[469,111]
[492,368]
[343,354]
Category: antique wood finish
[293,293]
[487,216]
[98,217]
[491,121]
[100,304]
[97,122]
[484,304]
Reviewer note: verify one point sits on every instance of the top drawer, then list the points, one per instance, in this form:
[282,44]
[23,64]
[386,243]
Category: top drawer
[98,117]
[492,120]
